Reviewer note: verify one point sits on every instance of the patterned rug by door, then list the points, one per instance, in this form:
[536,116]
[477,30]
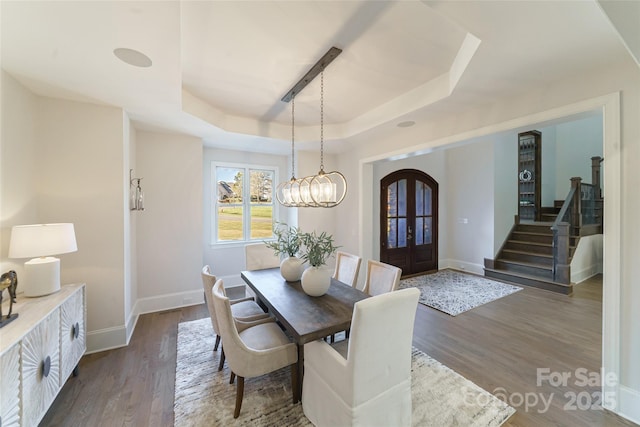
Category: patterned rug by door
[454,292]
[204,397]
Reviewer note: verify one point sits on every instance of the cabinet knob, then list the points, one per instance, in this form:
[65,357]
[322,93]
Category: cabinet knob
[46,367]
[75,331]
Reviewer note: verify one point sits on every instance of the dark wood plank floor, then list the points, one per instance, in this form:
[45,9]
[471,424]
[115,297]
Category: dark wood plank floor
[499,346]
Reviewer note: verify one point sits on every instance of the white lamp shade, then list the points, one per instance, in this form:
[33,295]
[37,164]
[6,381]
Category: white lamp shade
[40,240]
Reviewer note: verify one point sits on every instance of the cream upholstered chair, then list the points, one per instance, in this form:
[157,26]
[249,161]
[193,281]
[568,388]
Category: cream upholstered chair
[381,278]
[258,257]
[348,384]
[347,268]
[253,350]
[244,309]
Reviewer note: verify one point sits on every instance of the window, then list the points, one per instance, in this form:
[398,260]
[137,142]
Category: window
[243,207]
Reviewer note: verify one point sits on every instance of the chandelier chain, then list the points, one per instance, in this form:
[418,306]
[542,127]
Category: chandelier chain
[322,120]
[293,134]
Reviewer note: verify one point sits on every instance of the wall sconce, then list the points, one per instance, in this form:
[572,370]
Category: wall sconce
[136,196]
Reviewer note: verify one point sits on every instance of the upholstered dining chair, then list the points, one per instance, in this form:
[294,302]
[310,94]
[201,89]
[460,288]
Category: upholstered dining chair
[243,309]
[348,384]
[347,268]
[253,350]
[258,257]
[381,278]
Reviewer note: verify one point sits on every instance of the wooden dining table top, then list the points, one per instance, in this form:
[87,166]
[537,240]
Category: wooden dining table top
[305,317]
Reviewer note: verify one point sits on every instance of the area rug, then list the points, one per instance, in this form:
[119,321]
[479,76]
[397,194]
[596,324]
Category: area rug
[204,397]
[454,292]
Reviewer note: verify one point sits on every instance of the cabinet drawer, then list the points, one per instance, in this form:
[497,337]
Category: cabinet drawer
[72,334]
[40,368]
[10,387]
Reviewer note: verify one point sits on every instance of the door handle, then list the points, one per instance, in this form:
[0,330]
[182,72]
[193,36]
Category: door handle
[409,233]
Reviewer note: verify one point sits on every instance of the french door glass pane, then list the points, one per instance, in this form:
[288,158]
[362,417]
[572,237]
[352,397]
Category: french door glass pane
[392,200]
[427,200]
[427,231]
[402,232]
[419,198]
[402,197]
[419,239]
[392,231]
[230,222]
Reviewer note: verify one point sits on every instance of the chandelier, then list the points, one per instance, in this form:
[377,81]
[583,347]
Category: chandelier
[325,189]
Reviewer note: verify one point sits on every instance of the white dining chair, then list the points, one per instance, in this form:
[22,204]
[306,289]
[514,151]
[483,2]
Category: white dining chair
[381,278]
[347,268]
[253,350]
[348,384]
[258,257]
[243,309]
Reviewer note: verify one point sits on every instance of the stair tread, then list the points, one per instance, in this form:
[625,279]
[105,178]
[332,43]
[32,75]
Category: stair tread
[524,263]
[526,276]
[515,251]
[533,233]
[522,242]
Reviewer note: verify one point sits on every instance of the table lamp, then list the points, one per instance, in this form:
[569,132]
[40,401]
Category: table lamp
[40,241]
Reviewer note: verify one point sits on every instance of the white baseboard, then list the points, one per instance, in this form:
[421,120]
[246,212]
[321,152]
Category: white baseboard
[581,276]
[119,336]
[629,403]
[106,339]
[461,266]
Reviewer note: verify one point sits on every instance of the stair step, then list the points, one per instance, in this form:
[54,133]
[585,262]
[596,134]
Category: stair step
[534,247]
[535,227]
[527,236]
[528,280]
[527,257]
[528,268]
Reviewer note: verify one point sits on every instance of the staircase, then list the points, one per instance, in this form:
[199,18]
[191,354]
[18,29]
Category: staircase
[526,258]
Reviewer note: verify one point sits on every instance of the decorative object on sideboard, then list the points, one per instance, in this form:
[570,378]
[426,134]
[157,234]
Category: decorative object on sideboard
[8,281]
[287,245]
[41,242]
[316,249]
[136,195]
[325,189]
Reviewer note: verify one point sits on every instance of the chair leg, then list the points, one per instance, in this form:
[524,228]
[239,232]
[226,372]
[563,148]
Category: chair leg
[215,346]
[221,365]
[233,377]
[346,333]
[239,395]
[333,338]
[294,383]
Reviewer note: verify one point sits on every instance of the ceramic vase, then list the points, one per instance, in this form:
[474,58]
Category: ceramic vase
[316,281]
[291,268]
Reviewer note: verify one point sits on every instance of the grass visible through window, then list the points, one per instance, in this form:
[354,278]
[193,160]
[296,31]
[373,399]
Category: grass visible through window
[230,222]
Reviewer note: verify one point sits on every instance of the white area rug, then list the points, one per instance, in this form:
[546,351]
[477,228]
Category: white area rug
[454,292]
[204,397]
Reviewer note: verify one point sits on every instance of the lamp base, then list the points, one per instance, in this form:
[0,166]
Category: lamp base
[41,277]
[4,321]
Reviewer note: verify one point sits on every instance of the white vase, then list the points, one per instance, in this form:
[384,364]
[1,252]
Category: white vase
[291,268]
[316,281]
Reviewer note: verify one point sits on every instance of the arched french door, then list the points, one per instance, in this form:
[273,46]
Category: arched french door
[409,221]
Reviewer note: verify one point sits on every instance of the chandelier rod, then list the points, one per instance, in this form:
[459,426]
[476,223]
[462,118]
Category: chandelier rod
[322,63]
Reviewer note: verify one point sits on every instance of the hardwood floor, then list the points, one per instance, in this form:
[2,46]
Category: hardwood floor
[498,346]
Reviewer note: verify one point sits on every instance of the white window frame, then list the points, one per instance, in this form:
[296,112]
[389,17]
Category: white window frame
[246,200]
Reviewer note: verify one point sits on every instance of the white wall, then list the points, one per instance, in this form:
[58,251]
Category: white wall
[587,259]
[505,184]
[18,180]
[169,230]
[549,158]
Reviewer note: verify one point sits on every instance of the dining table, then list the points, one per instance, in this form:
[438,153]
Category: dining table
[305,318]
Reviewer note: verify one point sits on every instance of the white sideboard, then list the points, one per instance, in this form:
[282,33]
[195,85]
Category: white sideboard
[38,352]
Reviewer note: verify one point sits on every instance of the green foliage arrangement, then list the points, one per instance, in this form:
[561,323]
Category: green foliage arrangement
[288,240]
[316,249]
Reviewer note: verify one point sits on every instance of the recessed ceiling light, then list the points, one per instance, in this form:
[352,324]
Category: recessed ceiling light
[406,124]
[132,57]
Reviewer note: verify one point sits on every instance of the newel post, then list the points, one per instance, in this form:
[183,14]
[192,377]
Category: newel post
[561,266]
[595,175]
[576,208]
